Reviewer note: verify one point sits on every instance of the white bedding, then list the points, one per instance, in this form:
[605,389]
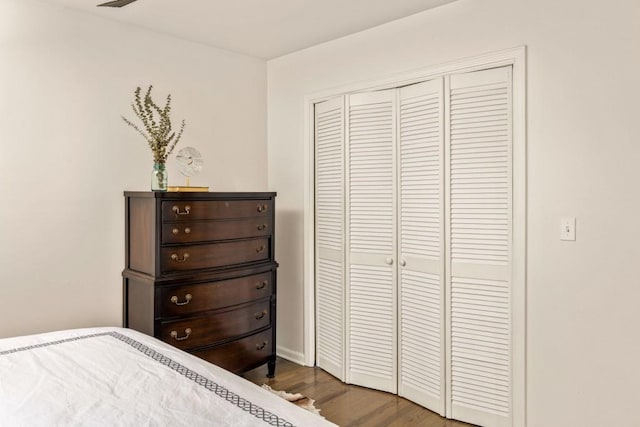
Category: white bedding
[119,377]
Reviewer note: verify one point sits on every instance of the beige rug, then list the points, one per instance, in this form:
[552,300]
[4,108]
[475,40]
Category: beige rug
[297,399]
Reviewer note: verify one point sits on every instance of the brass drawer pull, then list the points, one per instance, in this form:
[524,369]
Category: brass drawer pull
[261,285]
[261,208]
[261,346]
[174,335]
[176,209]
[187,299]
[260,248]
[261,227]
[260,315]
[187,230]
[176,258]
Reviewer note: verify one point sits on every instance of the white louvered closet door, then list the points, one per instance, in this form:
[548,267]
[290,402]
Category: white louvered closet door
[329,196]
[421,335]
[480,246]
[371,289]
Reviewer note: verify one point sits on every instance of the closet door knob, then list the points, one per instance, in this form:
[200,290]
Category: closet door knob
[389,261]
[403,263]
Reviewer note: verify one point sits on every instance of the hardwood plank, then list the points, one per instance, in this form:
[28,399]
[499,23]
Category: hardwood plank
[348,405]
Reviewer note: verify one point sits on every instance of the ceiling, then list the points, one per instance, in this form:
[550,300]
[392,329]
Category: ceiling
[260,28]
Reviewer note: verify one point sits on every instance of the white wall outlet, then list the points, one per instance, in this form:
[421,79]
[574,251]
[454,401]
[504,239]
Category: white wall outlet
[568,228]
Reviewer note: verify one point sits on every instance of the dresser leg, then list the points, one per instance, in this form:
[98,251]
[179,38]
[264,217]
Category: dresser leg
[271,369]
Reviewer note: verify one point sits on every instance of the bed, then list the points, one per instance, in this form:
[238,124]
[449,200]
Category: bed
[120,377]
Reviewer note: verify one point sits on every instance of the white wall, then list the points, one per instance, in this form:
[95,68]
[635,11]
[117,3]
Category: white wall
[66,156]
[583,157]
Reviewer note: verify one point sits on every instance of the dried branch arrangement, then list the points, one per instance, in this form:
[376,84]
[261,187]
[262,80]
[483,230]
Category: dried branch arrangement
[157,124]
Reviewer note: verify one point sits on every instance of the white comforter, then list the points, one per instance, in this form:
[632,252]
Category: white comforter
[119,377]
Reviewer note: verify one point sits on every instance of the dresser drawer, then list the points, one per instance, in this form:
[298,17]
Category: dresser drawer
[215,209]
[202,231]
[203,330]
[239,355]
[189,299]
[181,258]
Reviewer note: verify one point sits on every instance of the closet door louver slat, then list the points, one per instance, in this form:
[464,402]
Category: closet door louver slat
[480,246]
[421,244]
[330,289]
[371,355]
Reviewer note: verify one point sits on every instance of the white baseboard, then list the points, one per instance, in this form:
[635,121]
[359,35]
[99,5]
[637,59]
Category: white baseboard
[293,356]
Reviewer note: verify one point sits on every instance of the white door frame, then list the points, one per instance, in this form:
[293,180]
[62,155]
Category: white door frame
[515,57]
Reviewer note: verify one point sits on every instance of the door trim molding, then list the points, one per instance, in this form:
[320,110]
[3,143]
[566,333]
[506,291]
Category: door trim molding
[516,57]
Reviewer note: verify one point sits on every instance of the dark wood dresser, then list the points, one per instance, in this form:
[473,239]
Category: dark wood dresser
[200,274]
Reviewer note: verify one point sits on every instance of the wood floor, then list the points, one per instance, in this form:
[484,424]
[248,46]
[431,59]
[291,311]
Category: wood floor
[348,405]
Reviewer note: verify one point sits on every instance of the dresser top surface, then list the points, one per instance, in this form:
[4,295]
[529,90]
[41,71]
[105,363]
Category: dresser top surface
[209,195]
